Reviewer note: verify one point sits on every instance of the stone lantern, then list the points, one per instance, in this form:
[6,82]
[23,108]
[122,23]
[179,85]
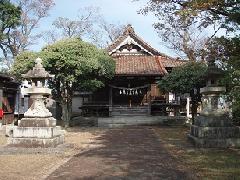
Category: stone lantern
[214,128]
[38,127]
[212,93]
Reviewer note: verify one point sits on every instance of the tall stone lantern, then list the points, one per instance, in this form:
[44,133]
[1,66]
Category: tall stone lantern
[38,127]
[213,103]
[214,128]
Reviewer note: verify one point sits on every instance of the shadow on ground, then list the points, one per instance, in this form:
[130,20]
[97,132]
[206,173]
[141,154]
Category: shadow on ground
[124,153]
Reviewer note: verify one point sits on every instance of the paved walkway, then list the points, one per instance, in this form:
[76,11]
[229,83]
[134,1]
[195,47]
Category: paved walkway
[126,153]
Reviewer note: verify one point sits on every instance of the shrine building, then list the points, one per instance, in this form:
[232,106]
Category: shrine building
[133,90]
[8,92]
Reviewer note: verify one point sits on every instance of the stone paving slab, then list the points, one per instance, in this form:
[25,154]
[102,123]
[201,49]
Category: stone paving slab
[124,153]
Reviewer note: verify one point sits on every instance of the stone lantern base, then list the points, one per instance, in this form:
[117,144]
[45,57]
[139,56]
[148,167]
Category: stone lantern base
[36,132]
[210,131]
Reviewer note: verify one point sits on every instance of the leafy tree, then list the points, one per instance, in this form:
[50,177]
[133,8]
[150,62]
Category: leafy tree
[89,25]
[177,32]
[33,11]
[183,14]
[225,12]
[181,23]
[77,66]
[9,19]
[69,28]
[185,79]
[224,50]
[106,33]
[227,52]
[23,62]
[19,38]
[210,11]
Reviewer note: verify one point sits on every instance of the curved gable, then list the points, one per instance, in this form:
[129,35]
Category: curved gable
[129,43]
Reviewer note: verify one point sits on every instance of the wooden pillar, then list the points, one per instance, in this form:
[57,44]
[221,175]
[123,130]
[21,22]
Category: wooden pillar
[149,107]
[17,102]
[188,107]
[1,98]
[149,101]
[110,101]
[1,107]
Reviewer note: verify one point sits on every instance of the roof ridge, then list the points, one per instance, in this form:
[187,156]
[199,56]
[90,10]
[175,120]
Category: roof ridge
[160,64]
[128,30]
[145,43]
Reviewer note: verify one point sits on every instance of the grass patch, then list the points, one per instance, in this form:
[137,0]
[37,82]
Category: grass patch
[206,163]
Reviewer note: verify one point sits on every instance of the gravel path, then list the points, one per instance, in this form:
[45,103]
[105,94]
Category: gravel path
[125,153]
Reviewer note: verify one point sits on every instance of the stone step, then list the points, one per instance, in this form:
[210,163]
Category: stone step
[214,143]
[129,109]
[215,132]
[135,108]
[129,114]
[143,110]
[119,121]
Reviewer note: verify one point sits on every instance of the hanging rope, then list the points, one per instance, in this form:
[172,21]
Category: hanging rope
[129,89]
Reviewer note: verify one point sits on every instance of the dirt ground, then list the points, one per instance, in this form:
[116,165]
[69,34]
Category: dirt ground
[124,153]
[29,164]
[121,153]
[3,140]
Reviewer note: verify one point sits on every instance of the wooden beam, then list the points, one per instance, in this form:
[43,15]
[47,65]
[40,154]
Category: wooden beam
[110,101]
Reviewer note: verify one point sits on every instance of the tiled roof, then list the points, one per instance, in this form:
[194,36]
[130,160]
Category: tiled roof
[144,65]
[170,62]
[5,77]
[139,65]
[154,63]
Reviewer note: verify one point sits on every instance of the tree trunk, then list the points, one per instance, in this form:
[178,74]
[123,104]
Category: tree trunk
[69,110]
[194,108]
[67,107]
[65,113]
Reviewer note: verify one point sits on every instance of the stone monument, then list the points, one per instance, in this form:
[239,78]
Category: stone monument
[38,127]
[214,128]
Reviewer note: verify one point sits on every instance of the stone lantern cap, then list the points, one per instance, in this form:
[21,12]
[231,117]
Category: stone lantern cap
[213,71]
[38,71]
[213,74]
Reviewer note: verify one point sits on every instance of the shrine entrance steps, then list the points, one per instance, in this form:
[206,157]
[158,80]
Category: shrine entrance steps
[120,121]
[129,111]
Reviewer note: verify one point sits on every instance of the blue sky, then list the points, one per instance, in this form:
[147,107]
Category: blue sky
[122,11]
